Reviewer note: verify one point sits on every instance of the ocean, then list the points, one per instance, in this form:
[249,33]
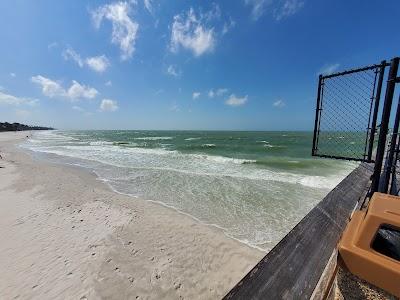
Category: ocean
[254,186]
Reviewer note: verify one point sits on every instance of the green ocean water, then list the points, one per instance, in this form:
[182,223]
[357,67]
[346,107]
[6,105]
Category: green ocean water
[255,186]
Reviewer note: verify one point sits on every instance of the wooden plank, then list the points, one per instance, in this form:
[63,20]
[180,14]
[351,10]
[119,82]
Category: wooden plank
[292,269]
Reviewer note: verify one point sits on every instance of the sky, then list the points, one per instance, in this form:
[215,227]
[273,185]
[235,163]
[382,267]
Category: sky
[182,65]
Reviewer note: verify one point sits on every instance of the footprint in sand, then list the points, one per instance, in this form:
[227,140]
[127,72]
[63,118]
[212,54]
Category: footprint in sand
[177,285]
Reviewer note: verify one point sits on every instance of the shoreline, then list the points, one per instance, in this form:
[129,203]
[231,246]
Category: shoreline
[156,202]
[159,252]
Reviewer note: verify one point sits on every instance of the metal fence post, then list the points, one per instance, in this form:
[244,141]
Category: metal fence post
[317,111]
[376,108]
[393,143]
[393,185]
[387,106]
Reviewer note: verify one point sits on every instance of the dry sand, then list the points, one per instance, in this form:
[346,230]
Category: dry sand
[64,234]
[350,287]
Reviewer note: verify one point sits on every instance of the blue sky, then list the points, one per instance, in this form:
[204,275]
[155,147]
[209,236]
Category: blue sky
[157,64]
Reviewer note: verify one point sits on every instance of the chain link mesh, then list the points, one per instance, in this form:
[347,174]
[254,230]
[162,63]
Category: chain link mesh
[346,103]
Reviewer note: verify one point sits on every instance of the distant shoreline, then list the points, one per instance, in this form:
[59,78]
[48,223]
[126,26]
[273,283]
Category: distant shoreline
[5,127]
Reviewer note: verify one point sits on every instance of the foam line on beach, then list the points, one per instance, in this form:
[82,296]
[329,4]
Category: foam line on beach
[265,175]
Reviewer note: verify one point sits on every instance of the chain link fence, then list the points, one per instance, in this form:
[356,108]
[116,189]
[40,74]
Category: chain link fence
[344,116]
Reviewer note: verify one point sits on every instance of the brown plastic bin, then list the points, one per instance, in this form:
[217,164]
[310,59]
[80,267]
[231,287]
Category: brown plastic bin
[355,245]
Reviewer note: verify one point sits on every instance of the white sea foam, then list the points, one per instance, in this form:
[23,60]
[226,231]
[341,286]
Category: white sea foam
[154,138]
[193,139]
[222,159]
[273,146]
[208,145]
[195,164]
[100,143]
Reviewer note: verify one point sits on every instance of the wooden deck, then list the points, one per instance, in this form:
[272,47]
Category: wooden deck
[296,267]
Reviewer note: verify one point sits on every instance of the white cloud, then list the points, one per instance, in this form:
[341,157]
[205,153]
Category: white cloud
[71,54]
[7,99]
[287,8]
[257,7]
[236,101]
[221,91]
[173,71]
[175,107]
[13,75]
[328,69]
[279,103]
[98,63]
[108,105]
[213,13]
[51,88]
[149,5]
[52,45]
[196,95]
[124,29]
[280,8]
[192,33]
[228,26]
[78,91]
[218,92]
[108,83]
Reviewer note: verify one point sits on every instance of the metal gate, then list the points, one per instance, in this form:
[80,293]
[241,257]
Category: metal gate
[346,119]
[346,113]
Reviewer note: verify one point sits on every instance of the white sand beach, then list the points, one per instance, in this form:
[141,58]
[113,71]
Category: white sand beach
[66,235]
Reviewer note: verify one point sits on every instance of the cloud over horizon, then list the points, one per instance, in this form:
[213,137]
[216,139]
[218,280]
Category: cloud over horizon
[96,63]
[76,91]
[108,105]
[236,101]
[8,99]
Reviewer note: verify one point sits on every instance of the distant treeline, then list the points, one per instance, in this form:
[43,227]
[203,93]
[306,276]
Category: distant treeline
[20,127]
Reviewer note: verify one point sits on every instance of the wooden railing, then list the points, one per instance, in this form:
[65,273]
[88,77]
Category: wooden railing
[301,266]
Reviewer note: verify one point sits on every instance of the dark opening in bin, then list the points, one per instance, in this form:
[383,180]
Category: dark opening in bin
[387,241]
